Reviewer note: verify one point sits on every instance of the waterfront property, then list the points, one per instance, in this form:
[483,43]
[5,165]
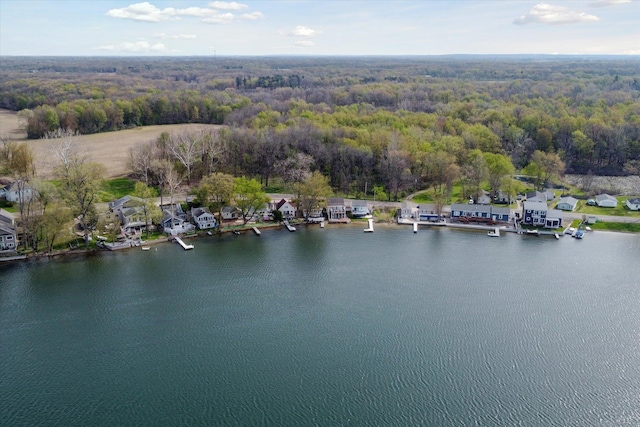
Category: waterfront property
[633,204]
[567,203]
[537,196]
[8,234]
[175,220]
[287,208]
[337,210]
[203,218]
[606,201]
[538,214]
[359,209]
[231,213]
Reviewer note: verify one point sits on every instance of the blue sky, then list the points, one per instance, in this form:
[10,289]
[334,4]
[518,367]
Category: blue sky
[318,27]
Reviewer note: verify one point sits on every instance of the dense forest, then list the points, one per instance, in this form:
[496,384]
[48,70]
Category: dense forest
[403,122]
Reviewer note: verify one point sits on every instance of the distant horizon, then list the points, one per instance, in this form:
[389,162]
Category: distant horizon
[318,28]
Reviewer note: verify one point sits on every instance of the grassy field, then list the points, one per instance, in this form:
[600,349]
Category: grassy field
[116,188]
[110,148]
[620,210]
[617,226]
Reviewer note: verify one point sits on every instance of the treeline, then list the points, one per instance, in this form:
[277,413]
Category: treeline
[587,111]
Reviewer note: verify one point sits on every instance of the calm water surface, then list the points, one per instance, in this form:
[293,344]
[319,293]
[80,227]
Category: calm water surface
[328,327]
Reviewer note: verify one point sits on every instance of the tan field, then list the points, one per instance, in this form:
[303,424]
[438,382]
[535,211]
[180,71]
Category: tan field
[110,148]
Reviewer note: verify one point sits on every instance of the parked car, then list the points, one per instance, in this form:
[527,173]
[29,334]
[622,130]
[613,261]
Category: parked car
[591,202]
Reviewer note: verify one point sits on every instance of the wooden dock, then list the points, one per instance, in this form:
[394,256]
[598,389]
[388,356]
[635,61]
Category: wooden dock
[255,230]
[183,244]
[289,226]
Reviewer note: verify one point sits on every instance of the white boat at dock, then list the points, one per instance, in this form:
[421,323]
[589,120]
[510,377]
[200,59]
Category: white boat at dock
[494,233]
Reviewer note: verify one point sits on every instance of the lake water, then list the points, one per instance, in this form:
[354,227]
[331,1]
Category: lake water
[329,327]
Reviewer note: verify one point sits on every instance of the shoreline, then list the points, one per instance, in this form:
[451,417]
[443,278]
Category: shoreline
[249,228]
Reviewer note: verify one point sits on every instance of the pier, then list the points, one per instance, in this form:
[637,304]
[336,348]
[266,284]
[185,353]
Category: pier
[370,229]
[255,230]
[289,226]
[183,244]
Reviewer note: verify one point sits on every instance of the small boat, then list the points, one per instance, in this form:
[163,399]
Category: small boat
[236,232]
[146,248]
[209,233]
[588,229]
[494,233]
[556,235]
[579,234]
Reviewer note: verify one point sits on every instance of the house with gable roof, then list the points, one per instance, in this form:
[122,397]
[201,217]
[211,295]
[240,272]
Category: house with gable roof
[8,234]
[567,203]
[538,214]
[203,218]
[633,204]
[337,210]
[287,208]
[606,201]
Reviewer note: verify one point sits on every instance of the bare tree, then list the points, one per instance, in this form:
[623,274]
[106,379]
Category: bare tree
[185,148]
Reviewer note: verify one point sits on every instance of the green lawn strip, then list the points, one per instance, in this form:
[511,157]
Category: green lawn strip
[617,226]
[620,210]
[116,188]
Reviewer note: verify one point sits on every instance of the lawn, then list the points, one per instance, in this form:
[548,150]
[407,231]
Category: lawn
[620,210]
[617,226]
[115,188]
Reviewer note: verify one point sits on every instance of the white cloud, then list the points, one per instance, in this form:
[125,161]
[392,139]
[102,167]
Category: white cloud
[251,16]
[300,31]
[146,12]
[226,5]
[138,47]
[142,12]
[544,13]
[603,3]
[221,18]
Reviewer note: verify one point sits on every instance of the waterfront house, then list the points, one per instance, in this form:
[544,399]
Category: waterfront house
[231,213]
[500,214]
[175,220]
[633,204]
[8,238]
[567,203]
[124,202]
[203,218]
[468,211]
[427,212]
[408,210]
[534,212]
[538,214]
[337,210]
[18,191]
[8,234]
[359,209]
[288,210]
[606,201]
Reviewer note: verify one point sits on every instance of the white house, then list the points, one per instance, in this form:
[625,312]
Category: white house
[408,210]
[203,218]
[633,204]
[337,210]
[287,208]
[567,203]
[231,213]
[606,201]
[18,190]
[359,209]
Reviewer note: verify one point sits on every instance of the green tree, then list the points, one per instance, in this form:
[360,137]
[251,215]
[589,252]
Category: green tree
[81,181]
[150,211]
[311,191]
[249,197]
[215,191]
[499,166]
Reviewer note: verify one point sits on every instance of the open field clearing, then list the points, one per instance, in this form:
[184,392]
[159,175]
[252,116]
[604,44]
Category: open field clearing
[10,126]
[110,148]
